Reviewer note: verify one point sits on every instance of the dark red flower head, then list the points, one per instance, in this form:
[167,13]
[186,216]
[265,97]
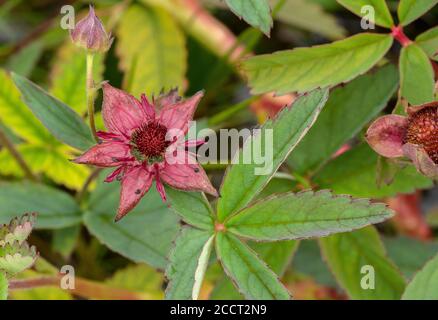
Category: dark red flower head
[146,142]
[414,136]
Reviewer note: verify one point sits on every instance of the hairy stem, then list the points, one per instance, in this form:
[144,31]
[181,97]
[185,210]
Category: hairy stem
[91,94]
[4,140]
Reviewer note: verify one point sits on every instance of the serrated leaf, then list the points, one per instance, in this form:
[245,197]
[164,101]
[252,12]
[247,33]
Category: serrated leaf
[52,161]
[277,255]
[56,209]
[249,274]
[193,207]
[144,235]
[188,262]
[15,258]
[382,15]
[304,69]
[16,115]
[303,14]
[410,10]
[68,76]
[58,118]
[417,82]
[256,12]
[354,172]
[138,278]
[305,215]
[152,50]
[346,112]
[243,182]
[424,285]
[348,253]
[428,41]
[3,286]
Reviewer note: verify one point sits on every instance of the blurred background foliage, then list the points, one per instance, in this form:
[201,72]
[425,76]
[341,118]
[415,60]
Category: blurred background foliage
[191,45]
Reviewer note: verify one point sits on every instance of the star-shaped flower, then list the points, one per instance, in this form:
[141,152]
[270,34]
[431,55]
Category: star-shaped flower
[146,142]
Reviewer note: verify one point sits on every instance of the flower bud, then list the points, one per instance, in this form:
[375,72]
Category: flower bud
[90,34]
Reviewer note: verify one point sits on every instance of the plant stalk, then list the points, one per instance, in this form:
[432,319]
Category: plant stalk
[91,94]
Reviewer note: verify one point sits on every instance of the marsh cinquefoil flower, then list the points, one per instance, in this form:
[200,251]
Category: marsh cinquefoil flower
[414,136]
[90,34]
[146,142]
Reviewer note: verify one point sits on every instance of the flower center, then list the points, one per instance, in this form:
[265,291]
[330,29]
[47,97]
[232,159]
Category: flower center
[148,142]
[423,131]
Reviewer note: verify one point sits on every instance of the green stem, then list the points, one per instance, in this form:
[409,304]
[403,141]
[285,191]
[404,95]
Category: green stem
[4,140]
[91,94]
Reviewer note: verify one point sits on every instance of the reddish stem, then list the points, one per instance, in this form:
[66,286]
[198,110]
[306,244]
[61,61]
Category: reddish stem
[400,36]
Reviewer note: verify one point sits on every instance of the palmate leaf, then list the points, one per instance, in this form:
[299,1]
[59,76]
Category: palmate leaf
[188,262]
[58,118]
[152,50]
[17,116]
[382,15]
[242,182]
[410,10]
[249,274]
[346,255]
[428,41]
[304,69]
[347,111]
[144,235]
[424,285]
[304,215]
[417,78]
[68,76]
[56,209]
[193,207]
[52,161]
[256,12]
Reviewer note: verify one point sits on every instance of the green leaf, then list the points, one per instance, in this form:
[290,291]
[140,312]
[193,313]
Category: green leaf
[428,41]
[68,76]
[24,61]
[17,116]
[3,286]
[188,263]
[256,12]
[410,254]
[410,10]
[243,182]
[144,235]
[58,118]
[193,207]
[382,15]
[305,215]
[277,255]
[152,50]
[56,209]
[306,13]
[304,69]
[346,112]
[354,173]
[348,254]
[52,161]
[139,278]
[250,275]
[424,285]
[417,82]
[64,240]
